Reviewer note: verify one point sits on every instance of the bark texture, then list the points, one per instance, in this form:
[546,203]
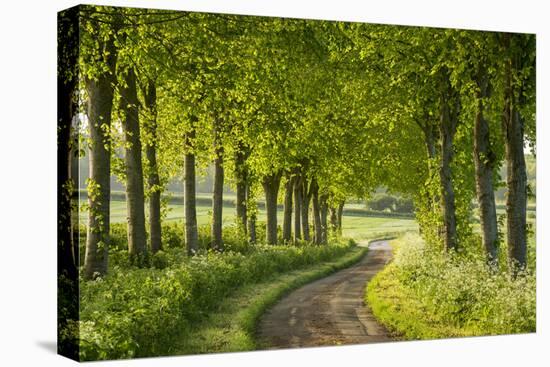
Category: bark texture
[516,183]
[242,176]
[297,208]
[153,180]
[217,195]
[333,219]
[135,198]
[340,215]
[318,231]
[190,203]
[100,92]
[271,188]
[324,214]
[251,216]
[287,211]
[447,129]
[306,199]
[484,161]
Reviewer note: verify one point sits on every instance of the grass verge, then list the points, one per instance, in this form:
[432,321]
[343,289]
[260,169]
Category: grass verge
[426,294]
[232,327]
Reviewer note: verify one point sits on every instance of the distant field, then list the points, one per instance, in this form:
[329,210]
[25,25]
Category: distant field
[356,227]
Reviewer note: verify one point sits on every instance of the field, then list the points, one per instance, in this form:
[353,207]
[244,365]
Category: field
[356,227]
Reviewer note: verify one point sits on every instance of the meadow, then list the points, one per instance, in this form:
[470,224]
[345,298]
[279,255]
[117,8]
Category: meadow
[353,226]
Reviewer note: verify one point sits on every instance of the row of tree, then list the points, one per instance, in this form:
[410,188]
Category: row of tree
[319,111]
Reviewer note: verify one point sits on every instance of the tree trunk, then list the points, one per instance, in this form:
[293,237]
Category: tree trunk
[191,230]
[153,180]
[340,214]
[217,196]
[271,187]
[447,130]
[100,92]
[484,160]
[334,220]
[516,183]
[318,236]
[135,198]
[241,173]
[251,217]
[287,214]
[306,197]
[297,208]
[324,225]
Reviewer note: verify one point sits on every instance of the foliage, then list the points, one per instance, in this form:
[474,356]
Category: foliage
[425,294]
[390,203]
[139,312]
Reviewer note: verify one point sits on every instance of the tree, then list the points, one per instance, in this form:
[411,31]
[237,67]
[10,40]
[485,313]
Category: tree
[519,69]
[154,188]
[135,198]
[99,57]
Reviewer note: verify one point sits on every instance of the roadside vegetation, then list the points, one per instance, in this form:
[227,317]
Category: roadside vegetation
[425,294]
[138,312]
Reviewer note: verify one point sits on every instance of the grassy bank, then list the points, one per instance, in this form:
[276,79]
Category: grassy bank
[424,294]
[232,327]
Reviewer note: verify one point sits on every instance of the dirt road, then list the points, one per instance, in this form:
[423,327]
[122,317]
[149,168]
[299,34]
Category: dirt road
[329,311]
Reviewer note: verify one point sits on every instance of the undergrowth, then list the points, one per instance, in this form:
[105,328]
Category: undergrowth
[139,312]
[425,294]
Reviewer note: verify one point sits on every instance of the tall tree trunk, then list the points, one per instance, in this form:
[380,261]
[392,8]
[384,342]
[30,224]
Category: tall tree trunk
[191,230]
[153,180]
[287,214]
[241,173]
[340,214]
[447,130]
[306,198]
[135,198]
[484,160]
[297,208]
[271,187]
[100,92]
[318,233]
[516,183]
[251,216]
[217,196]
[324,224]
[334,220]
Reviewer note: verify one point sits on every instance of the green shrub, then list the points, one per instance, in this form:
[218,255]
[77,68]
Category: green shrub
[404,205]
[382,202]
[160,260]
[172,235]
[119,236]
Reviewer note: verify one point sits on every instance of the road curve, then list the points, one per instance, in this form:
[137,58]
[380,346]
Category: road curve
[329,311]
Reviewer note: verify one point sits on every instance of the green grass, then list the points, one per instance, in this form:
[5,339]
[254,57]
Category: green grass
[363,228]
[356,227]
[232,327]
